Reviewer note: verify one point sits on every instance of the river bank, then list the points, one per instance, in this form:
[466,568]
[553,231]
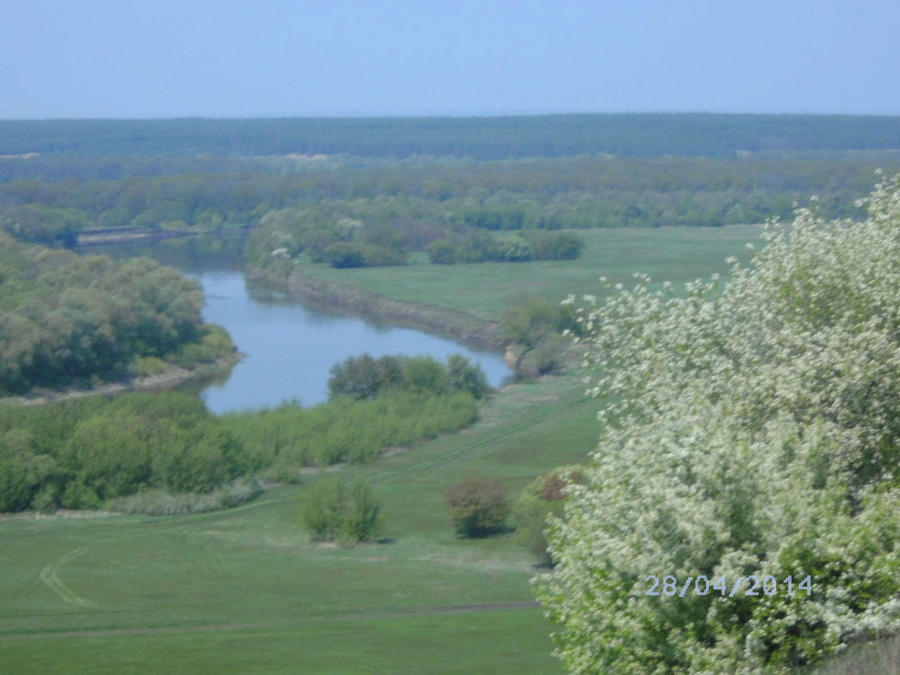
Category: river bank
[172,376]
[325,295]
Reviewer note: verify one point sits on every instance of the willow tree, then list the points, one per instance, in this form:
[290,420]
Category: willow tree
[750,430]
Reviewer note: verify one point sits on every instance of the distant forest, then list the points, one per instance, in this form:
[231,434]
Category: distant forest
[481,138]
[431,179]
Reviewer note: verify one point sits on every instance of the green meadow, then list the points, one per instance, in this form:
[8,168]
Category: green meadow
[245,590]
[484,290]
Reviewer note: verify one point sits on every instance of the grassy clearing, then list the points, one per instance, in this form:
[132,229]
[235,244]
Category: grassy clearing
[246,590]
[486,289]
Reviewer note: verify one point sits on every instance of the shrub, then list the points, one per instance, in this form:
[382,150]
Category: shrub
[364,377]
[344,254]
[516,249]
[333,509]
[155,502]
[425,375]
[381,256]
[529,321]
[547,356]
[213,344]
[149,365]
[465,376]
[540,499]
[478,507]
[442,252]
[555,245]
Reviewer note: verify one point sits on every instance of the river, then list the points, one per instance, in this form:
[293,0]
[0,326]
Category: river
[289,349]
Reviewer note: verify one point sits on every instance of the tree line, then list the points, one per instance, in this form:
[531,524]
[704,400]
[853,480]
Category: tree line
[166,453]
[514,195]
[483,138]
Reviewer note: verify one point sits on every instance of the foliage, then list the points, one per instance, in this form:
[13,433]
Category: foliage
[463,375]
[152,451]
[535,327]
[555,245]
[542,497]
[442,252]
[517,249]
[279,442]
[546,357]
[156,502]
[344,254]
[78,454]
[478,507]
[530,320]
[338,510]
[751,429]
[152,142]
[66,318]
[363,377]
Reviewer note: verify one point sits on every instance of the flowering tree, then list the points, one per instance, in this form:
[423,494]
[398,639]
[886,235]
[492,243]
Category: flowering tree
[750,428]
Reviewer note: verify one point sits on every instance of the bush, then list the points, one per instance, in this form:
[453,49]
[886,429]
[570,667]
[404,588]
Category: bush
[442,252]
[155,502]
[547,356]
[337,510]
[425,375]
[381,256]
[465,376]
[543,497]
[148,366]
[555,245]
[278,442]
[213,344]
[516,249]
[478,507]
[364,377]
[529,322]
[344,254]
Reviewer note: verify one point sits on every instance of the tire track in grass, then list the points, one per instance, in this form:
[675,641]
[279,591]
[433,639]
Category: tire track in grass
[345,617]
[50,576]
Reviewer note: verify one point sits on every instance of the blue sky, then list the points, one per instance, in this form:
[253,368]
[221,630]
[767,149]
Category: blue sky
[230,58]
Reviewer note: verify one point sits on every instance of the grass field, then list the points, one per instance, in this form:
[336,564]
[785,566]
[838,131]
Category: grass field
[485,289]
[245,590]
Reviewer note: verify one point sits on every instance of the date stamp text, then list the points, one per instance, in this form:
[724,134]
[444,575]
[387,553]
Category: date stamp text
[751,585]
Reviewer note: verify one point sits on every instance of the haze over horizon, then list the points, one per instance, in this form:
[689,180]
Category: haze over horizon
[237,59]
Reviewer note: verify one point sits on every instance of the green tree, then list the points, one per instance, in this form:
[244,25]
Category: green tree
[465,376]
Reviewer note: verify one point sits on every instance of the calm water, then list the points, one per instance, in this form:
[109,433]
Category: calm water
[290,349]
